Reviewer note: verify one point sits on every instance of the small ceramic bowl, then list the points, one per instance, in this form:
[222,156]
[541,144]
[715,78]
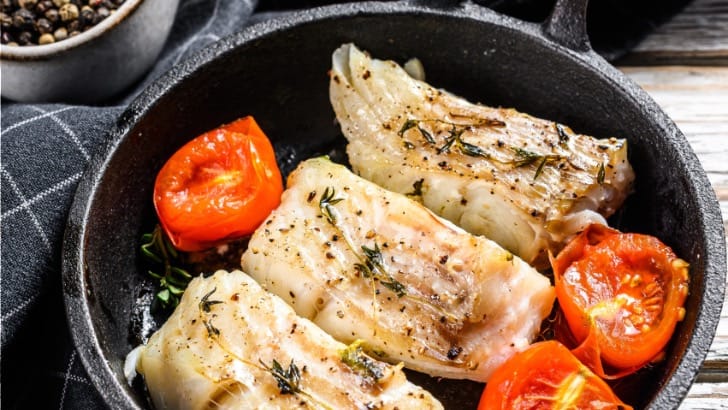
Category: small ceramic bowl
[93,65]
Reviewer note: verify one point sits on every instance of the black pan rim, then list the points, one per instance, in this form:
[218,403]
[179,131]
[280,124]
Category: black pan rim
[74,273]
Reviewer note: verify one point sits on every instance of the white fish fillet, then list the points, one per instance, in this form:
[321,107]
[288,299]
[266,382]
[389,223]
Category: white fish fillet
[218,347]
[366,263]
[528,184]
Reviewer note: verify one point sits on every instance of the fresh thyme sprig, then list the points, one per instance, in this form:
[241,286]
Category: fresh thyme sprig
[326,204]
[371,263]
[173,279]
[525,157]
[289,380]
[205,307]
[373,267]
[455,140]
[371,260]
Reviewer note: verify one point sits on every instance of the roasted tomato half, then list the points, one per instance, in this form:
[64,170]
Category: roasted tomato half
[622,295]
[547,376]
[217,187]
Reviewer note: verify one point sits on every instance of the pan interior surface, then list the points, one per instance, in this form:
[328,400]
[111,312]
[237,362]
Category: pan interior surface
[279,75]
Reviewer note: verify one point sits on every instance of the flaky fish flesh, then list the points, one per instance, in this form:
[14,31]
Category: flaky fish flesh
[369,264]
[232,345]
[527,183]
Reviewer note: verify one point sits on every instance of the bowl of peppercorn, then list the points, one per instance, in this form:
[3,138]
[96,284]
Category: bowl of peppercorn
[79,51]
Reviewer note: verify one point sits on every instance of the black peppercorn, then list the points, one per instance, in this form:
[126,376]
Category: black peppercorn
[73,26]
[27,4]
[6,37]
[28,22]
[25,38]
[43,26]
[102,12]
[87,17]
[5,21]
[52,15]
[43,6]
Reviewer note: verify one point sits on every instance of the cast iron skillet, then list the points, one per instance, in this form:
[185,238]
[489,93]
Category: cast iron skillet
[276,71]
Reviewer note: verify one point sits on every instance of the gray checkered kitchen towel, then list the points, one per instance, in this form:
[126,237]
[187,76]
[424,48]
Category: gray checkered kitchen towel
[44,151]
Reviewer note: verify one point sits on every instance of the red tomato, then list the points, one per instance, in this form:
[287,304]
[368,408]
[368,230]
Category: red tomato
[622,295]
[217,187]
[547,376]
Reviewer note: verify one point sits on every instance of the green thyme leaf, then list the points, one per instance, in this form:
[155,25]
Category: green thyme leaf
[426,135]
[601,174]
[406,126]
[165,262]
[326,204]
[288,380]
[206,303]
[360,363]
[525,157]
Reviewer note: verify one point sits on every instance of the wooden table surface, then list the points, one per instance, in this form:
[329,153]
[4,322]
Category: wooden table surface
[683,65]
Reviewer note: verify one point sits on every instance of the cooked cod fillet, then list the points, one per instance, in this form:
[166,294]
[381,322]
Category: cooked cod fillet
[366,263]
[230,344]
[527,183]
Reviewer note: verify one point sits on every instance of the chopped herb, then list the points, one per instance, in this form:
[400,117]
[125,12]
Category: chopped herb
[540,168]
[160,252]
[211,330]
[289,380]
[395,286]
[373,266]
[426,135]
[525,157]
[205,307]
[455,140]
[415,123]
[360,363]
[407,125]
[206,303]
[326,204]
[601,174]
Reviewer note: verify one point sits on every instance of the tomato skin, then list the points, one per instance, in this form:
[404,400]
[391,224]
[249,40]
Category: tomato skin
[622,295]
[547,376]
[217,187]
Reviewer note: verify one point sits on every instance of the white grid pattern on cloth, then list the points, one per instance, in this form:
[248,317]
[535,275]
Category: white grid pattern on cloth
[36,118]
[66,378]
[68,181]
[47,148]
[66,129]
[24,205]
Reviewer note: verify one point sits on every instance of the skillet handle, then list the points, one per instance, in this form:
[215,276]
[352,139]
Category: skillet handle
[567,25]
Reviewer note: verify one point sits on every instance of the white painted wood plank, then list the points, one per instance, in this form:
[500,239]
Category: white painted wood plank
[696,98]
